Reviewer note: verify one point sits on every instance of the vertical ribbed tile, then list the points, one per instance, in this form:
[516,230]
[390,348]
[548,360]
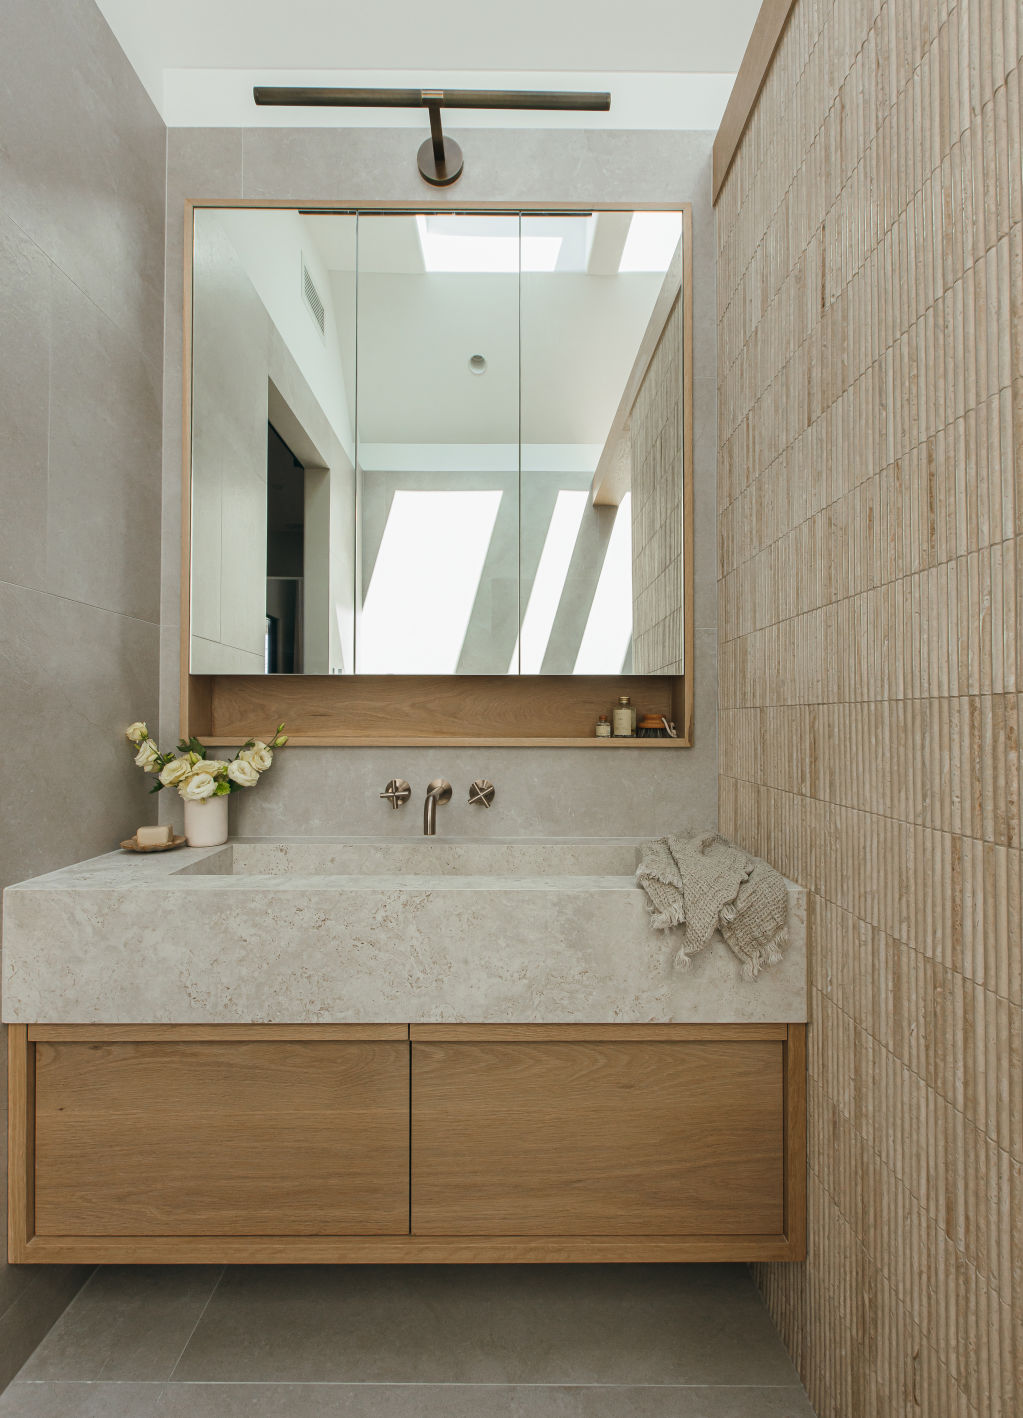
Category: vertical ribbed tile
[870,299]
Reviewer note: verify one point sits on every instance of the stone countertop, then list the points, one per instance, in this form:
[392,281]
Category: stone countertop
[176,937]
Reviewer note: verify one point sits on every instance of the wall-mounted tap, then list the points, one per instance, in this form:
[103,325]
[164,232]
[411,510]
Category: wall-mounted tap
[397,792]
[481,793]
[437,792]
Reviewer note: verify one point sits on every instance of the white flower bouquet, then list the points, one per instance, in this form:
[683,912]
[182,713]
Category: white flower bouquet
[197,777]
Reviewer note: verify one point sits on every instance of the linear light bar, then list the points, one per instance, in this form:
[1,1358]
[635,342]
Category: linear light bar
[440,158]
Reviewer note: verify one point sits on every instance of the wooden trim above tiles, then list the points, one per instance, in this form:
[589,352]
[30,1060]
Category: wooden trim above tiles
[356,711]
[760,51]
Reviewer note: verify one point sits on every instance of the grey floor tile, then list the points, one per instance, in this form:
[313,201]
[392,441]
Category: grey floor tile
[488,1324]
[62,1399]
[127,1323]
[45,1294]
[80,1400]
[474,1401]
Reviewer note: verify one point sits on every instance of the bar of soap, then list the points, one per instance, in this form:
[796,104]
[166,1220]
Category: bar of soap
[152,836]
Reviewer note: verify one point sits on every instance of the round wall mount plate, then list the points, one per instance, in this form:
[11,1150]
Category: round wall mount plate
[441,174]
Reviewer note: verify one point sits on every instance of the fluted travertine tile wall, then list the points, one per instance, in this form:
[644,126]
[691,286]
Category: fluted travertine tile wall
[870,280]
[655,437]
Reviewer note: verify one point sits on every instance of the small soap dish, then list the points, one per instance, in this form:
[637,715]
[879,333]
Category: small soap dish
[132,845]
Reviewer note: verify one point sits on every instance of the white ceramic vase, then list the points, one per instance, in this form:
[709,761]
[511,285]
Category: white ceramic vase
[206,821]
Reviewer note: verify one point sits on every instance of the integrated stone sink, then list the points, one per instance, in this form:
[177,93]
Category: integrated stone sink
[388,930]
[432,856]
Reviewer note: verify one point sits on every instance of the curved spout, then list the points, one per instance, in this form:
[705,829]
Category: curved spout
[437,792]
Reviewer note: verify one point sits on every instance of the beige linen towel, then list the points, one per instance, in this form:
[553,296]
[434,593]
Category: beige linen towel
[705,883]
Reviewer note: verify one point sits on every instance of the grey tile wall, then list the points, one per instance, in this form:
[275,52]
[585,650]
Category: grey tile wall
[82,157]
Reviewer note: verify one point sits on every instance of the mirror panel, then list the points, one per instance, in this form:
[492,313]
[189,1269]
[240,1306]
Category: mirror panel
[436,443]
[273,446]
[589,292]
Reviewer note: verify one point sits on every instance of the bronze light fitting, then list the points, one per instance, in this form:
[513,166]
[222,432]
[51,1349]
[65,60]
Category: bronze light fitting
[440,158]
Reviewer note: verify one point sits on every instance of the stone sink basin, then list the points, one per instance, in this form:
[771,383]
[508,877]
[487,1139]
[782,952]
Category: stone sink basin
[432,856]
[368,930]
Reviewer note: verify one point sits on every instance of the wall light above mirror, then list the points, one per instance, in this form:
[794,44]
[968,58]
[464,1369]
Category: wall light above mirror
[436,443]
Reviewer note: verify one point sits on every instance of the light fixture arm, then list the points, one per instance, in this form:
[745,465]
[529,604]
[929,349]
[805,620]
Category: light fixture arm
[440,158]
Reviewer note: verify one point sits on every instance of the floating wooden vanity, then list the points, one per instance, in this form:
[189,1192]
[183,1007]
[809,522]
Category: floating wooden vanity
[395,1143]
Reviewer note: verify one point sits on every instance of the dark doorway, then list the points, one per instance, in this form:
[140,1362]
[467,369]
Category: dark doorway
[285,568]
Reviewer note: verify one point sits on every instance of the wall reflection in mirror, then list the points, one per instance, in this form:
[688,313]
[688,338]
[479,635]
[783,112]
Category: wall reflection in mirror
[436,443]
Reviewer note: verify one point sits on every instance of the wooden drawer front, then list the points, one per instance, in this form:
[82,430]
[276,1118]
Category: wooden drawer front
[221,1139]
[596,1138]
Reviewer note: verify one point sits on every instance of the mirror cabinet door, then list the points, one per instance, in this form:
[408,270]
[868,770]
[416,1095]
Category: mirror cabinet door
[596,290]
[273,445]
[436,443]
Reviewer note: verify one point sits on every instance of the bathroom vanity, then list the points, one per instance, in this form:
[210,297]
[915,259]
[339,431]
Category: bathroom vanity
[358,1051]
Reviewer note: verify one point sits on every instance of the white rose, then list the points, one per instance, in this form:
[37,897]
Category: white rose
[258,755]
[197,787]
[212,766]
[136,732]
[174,771]
[147,756]
[242,773]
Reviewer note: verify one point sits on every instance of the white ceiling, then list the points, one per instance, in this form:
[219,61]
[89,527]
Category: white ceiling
[199,58]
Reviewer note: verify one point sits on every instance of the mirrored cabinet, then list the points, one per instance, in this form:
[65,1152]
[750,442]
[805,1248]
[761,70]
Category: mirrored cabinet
[438,472]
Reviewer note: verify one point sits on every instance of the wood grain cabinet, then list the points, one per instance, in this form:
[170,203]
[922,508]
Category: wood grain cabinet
[431,1143]
[596,1137]
[293,1138]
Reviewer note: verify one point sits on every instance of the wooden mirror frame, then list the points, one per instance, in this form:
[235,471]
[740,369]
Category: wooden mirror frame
[552,711]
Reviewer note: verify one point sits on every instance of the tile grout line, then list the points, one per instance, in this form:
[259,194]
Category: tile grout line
[198,1322]
[397,1383]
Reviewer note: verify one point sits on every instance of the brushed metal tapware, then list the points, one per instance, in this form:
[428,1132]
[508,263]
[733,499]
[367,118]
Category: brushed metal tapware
[481,792]
[437,792]
[398,792]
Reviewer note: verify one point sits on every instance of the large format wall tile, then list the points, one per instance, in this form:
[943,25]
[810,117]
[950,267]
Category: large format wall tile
[103,497]
[870,270]
[598,792]
[81,310]
[82,161]
[24,405]
[73,677]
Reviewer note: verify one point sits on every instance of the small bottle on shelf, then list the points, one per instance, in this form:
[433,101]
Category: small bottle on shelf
[603,729]
[623,720]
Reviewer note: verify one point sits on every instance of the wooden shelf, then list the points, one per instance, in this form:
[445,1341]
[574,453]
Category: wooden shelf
[429,711]
[438,741]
